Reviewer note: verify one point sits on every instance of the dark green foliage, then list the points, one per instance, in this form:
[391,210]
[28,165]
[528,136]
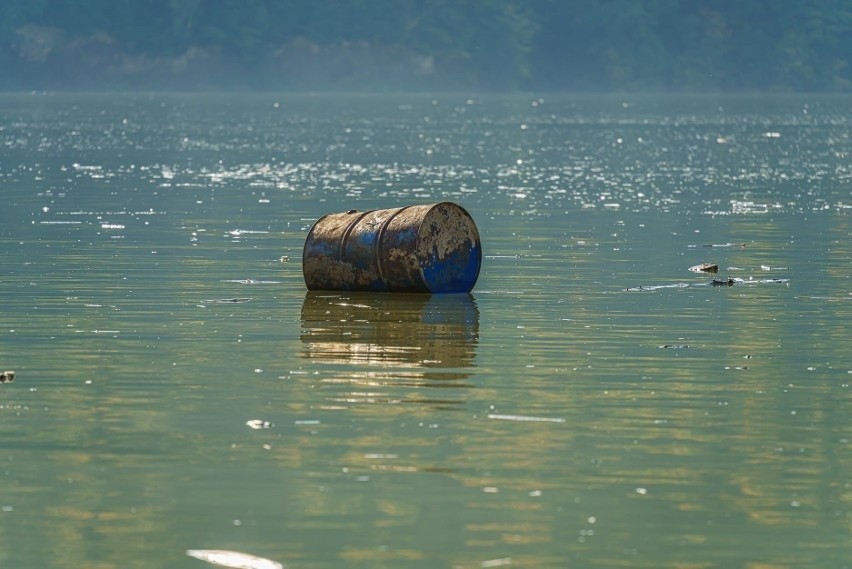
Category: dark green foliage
[428,44]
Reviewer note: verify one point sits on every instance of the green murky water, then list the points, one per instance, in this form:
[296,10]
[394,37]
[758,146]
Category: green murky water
[177,388]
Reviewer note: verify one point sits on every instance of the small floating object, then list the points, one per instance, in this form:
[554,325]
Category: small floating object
[258,424]
[431,248]
[7,377]
[705,268]
[226,300]
[234,559]
[730,281]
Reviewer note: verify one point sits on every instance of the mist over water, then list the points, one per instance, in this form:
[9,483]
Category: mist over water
[591,403]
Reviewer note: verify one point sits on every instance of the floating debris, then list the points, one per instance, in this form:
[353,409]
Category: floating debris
[258,424]
[226,300]
[675,346]
[7,377]
[421,248]
[233,559]
[730,281]
[705,268]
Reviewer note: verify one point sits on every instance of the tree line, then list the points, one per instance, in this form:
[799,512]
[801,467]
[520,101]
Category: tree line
[565,45]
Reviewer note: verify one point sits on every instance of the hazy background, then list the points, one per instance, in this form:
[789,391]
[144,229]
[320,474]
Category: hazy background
[392,45]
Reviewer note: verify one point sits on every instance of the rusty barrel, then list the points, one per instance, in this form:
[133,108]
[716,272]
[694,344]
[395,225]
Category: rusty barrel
[430,248]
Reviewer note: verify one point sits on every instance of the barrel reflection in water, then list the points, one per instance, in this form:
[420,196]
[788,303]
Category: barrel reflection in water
[428,338]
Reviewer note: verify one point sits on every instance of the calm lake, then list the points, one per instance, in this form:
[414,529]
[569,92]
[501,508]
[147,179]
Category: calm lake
[592,402]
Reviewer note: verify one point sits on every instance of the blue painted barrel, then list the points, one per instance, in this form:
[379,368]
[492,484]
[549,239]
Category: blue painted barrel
[431,248]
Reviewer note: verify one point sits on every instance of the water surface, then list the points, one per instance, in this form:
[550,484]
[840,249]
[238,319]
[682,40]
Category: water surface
[591,403]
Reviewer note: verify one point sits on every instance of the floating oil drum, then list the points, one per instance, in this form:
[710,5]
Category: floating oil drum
[431,248]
